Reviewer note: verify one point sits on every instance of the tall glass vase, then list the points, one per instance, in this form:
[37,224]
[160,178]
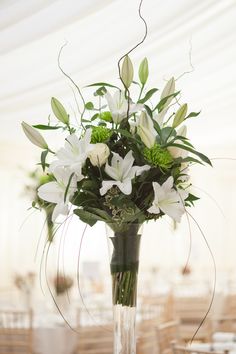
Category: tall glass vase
[124,266]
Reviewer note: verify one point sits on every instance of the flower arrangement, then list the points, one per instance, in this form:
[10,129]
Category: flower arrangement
[62,284]
[186,270]
[125,163]
[25,282]
[128,159]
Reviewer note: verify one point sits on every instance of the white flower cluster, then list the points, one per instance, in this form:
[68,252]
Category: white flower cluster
[67,168]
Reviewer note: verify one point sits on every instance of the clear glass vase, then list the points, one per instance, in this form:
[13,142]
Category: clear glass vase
[124,264]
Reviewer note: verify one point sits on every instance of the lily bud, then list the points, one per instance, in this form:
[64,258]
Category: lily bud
[180,115]
[143,71]
[168,90]
[34,136]
[146,130]
[127,72]
[59,111]
[182,131]
[99,155]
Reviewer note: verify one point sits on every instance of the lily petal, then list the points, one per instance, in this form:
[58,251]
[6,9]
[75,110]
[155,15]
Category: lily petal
[51,192]
[60,209]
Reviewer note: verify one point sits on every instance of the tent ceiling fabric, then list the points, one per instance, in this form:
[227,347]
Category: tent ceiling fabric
[24,21]
[98,33]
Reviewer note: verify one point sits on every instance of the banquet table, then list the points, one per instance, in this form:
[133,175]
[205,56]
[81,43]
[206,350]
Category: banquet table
[220,341]
[51,335]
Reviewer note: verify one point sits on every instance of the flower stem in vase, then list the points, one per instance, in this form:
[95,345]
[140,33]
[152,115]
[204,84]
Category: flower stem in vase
[124,271]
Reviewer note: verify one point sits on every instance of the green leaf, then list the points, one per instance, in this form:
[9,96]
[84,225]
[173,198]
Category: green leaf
[161,105]
[84,199]
[103,84]
[191,198]
[87,217]
[127,71]
[68,186]
[182,138]
[191,159]
[143,71]
[126,134]
[89,185]
[59,111]
[136,83]
[43,159]
[166,133]
[148,95]
[157,127]
[101,91]
[45,127]
[180,115]
[149,111]
[101,213]
[85,121]
[94,117]
[199,154]
[193,114]
[89,106]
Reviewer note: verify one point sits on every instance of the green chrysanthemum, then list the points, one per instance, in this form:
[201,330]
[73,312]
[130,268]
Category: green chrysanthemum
[100,135]
[157,156]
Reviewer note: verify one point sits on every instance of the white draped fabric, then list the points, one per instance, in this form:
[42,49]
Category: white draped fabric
[98,33]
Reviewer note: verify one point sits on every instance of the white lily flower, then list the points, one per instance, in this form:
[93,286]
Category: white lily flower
[122,172]
[54,192]
[168,200]
[118,106]
[146,131]
[75,153]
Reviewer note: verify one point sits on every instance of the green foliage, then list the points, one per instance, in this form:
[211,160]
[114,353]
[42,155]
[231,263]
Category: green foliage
[148,95]
[89,106]
[43,159]
[46,127]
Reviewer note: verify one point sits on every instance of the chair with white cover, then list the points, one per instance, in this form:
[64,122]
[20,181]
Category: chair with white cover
[160,307]
[181,349]
[146,337]
[226,321]
[16,332]
[166,334]
[95,340]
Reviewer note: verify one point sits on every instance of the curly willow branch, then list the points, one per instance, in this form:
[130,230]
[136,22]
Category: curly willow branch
[71,80]
[214,280]
[131,50]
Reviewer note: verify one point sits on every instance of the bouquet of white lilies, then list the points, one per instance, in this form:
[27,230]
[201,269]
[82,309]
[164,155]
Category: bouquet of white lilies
[127,161]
